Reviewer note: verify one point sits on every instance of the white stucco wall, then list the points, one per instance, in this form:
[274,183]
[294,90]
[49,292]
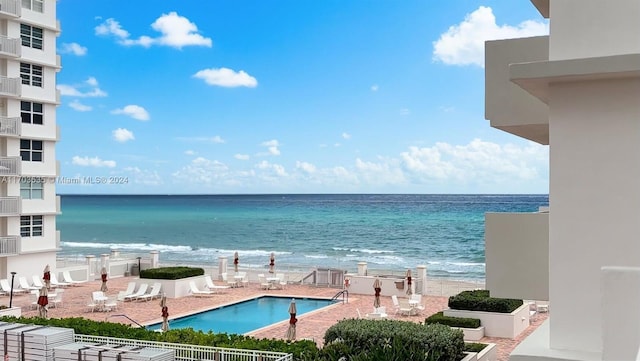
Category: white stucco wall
[594,198]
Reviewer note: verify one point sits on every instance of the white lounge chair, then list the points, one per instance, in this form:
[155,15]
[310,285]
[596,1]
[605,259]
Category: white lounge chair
[154,293]
[66,277]
[6,287]
[230,282]
[263,282]
[55,283]
[212,286]
[56,300]
[24,284]
[195,291]
[141,291]
[131,288]
[37,281]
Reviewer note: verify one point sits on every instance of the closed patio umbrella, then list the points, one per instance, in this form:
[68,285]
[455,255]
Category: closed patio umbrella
[291,331]
[165,313]
[236,260]
[103,272]
[43,301]
[272,262]
[377,287]
[409,290]
[47,277]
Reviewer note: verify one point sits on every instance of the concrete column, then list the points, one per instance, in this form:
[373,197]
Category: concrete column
[222,266]
[620,313]
[155,259]
[421,273]
[362,268]
[115,253]
[90,265]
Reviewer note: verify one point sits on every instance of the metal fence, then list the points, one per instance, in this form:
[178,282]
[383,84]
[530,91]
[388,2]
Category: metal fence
[192,352]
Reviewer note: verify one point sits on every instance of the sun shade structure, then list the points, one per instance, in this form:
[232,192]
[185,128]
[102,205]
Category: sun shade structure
[291,331]
[236,260]
[103,275]
[47,276]
[165,313]
[272,263]
[43,301]
[377,287]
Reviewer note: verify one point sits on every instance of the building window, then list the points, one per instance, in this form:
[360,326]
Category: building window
[31,74]
[31,112]
[32,188]
[31,150]
[31,226]
[35,5]
[31,36]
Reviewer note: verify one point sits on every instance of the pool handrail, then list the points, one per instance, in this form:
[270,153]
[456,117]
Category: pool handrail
[343,293]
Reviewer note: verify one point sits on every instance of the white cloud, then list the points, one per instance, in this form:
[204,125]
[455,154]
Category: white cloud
[190,152]
[463,44]
[81,91]
[306,167]
[143,176]
[203,171]
[133,111]
[73,48]
[271,170]
[226,77]
[122,135]
[215,139]
[272,147]
[374,88]
[346,135]
[241,156]
[175,31]
[77,106]
[92,162]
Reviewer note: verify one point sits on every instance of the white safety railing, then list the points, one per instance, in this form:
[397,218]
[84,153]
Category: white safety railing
[10,166]
[192,352]
[10,46]
[9,245]
[10,126]
[10,86]
[12,7]
[9,206]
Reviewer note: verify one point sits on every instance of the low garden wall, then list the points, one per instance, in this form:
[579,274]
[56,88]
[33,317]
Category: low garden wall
[506,325]
[174,288]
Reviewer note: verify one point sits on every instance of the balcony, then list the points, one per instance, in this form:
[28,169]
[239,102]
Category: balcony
[10,87]
[10,166]
[9,206]
[10,127]
[10,47]
[9,246]
[10,9]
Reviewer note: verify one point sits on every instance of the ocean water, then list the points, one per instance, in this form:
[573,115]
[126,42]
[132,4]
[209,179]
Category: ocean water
[389,232]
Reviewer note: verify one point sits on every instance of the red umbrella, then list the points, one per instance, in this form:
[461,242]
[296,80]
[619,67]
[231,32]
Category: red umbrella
[235,262]
[165,313]
[43,301]
[272,262]
[291,331]
[377,287]
[409,290]
[47,277]
[104,288]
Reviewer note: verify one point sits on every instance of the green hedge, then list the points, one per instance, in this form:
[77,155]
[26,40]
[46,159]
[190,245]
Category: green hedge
[474,346]
[84,326]
[480,300]
[171,273]
[361,339]
[440,318]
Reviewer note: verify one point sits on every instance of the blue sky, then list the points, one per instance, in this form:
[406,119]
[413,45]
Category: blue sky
[287,96]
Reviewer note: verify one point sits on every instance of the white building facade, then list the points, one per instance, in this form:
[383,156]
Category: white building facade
[577,90]
[28,135]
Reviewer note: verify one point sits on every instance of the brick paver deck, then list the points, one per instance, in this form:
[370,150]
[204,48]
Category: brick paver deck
[311,325]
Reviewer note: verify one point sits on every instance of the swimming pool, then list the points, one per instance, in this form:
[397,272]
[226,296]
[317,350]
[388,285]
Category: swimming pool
[246,316]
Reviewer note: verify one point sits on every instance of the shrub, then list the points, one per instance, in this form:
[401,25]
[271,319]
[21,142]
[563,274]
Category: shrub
[480,300]
[440,318]
[474,346]
[403,340]
[171,273]
[184,336]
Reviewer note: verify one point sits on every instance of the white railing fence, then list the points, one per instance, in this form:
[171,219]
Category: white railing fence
[192,352]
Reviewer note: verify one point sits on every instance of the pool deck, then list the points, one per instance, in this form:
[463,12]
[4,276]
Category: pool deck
[311,325]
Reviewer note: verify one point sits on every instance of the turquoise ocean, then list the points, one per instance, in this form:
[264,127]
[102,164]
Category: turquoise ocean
[389,232]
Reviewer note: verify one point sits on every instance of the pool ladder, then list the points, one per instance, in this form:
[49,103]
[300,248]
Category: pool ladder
[127,317]
[343,293]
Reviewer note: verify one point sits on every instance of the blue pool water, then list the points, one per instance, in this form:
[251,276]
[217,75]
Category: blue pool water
[245,316]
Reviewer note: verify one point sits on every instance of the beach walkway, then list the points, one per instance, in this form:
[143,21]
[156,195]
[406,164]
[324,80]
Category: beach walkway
[311,326]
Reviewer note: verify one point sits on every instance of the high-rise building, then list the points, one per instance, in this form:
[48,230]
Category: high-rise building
[28,135]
